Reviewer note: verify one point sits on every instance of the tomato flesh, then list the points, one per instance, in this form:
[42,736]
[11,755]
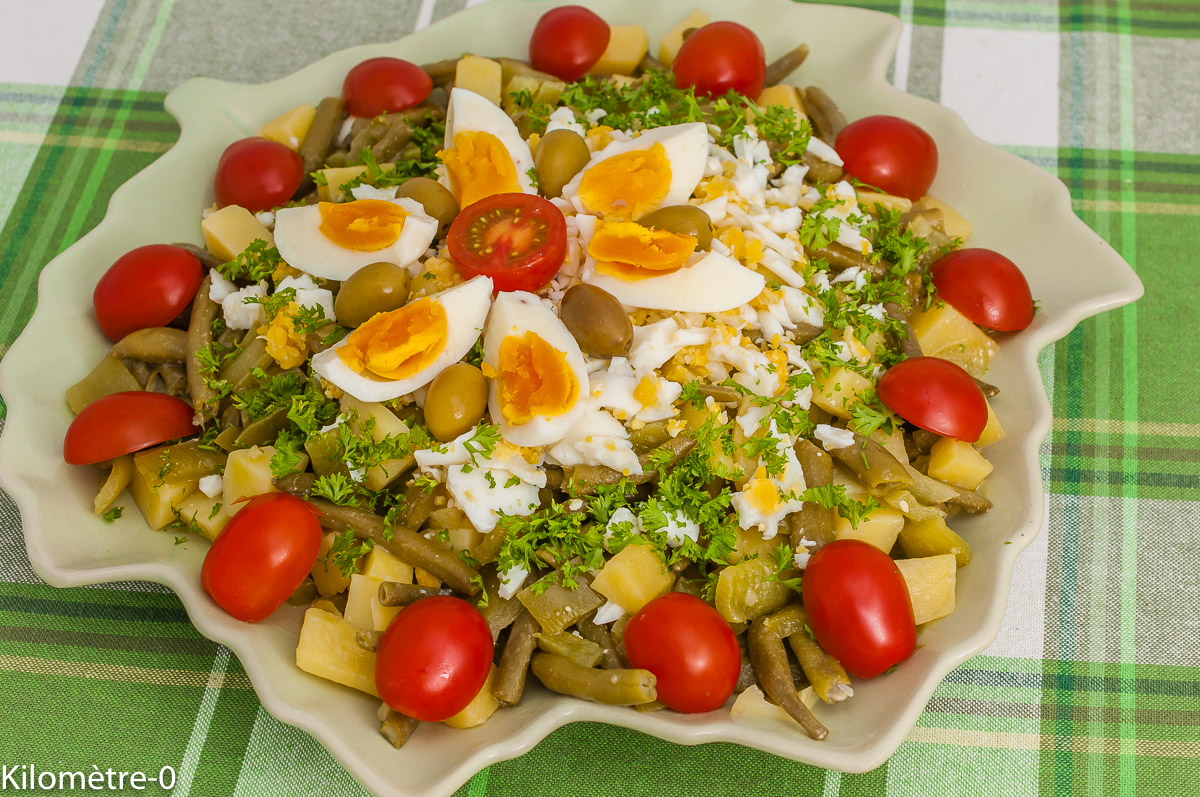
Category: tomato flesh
[122,423]
[889,153]
[567,41]
[384,85]
[519,240]
[986,287]
[146,287]
[858,607]
[689,647]
[936,395]
[433,658]
[257,174]
[721,57]
[262,555]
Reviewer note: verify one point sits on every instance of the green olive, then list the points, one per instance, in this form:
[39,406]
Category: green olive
[597,320]
[455,401]
[559,156]
[372,289]
[434,197]
[682,219]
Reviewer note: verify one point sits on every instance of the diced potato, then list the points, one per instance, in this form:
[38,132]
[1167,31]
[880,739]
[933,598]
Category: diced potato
[944,332]
[482,706]
[480,75]
[326,605]
[956,226]
[157,500]
[753,703]
[746,590]
[991,433]
[358,601]
[869,199]
[633,578]
[880,528]
[839,390]
[248,473]
[327,649]
[921,538]
[672,40]
[958,463]
[423,578]
[335,178]
[518,84]
[381,616]
[627,45]
[787,96]
[386,566]
[328,578]
[291,127]
[549,92]
[231,229]
[749,543]
[209,514]
[930,581]
[386,423]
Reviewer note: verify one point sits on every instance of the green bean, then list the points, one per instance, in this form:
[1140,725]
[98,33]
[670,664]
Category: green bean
[611,687]
[989,390]
[873,464]
[512,67]
[397,727]
[199,336]
[770,662]
[610,659]
[786,64]
[394,593]
[825,673]
[305,593]
[575,648]
[442,70]
[557,607]
[173,377]
[368,640]
[389,145]
[300,484]
[820,171]
[842,257]
[418,504]
[509,683]
[722,394]
[933,537]
[206,258]
[750,589]
[321,133]
[499,612]
[183,462]
[971,501]
[109,376]
[263,431]
[153,345]
[651,64]
[650,436]
[119,476]
[813,522]
[826,117]
[239,372]
[142,372]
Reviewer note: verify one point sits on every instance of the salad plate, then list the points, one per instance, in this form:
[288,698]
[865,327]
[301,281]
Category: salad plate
[1015,208]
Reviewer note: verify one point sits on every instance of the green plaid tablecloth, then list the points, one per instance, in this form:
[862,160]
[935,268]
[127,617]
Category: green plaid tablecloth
[1093,686]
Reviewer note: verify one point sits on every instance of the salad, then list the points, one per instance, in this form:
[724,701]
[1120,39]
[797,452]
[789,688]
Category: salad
[632,372]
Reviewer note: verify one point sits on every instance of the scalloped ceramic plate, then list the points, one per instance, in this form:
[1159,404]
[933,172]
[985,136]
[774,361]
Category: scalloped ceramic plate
[1015,207]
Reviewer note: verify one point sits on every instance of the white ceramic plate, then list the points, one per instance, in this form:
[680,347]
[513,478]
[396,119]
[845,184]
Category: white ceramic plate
[1015,207]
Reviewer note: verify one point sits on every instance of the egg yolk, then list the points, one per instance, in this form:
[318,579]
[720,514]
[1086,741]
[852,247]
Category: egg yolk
[533,379]
[479,166]
[397,344]
[630,251]
[761,493]
[629,185]
[364,225]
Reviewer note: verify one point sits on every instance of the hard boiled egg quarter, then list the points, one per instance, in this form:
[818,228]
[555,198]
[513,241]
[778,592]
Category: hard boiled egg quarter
[628,179]
[484,153]
[395,353]
[333,240]
[539,386]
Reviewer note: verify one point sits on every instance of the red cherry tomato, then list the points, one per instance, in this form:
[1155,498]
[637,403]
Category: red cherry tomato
[690,649]
[384,85]
[567,41]
[890,153]
[986,287]
[122,423]
[858,607]
[262,555]
[257,174]
[719,57]
[519,240]
[145,287]
[937,395]
[434,658]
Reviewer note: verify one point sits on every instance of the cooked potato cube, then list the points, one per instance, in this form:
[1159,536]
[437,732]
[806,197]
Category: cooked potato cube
[930,581]
[991,433]
[382,616]
[482,706]
[386,566]
[158,499]
[550,92]
[480,75]
[327,649]
[208,514]
[329,579]
[358,601]
[627,45]
[518,84]
[787,96]
[944,332]
[248,473]
[385,423]
[958,463]
[956,226]
[291,127]
[633,578]
[839,390]
[231,229]
[334,178]
[672,40]
[880,528]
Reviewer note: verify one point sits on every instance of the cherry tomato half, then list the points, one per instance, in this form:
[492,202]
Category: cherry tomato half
[890,153]
[262,555]
[519,240]
[434,658]
[384,85]
[721,56]
[986,287]
[689,647]
[567,41]
[258,174]
[858,607]
[145,287]
[122,423]
[935,394]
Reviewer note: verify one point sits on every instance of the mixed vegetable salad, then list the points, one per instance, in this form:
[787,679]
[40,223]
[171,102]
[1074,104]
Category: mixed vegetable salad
[632,372]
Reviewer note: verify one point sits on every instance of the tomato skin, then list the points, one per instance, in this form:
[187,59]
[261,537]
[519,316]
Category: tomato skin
[145,287]
[384,85]
[890,153]
[258,174]
[936,395]
[689,647]
[719,57]
[858,607]
[527,236]
[122,423]
[433,658]
[986,287]
[567,41]
[262,555]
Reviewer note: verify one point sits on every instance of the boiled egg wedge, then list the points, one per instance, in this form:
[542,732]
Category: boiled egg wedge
[332,240]
[628,179]
[484,153]
[394,353]
[539,385]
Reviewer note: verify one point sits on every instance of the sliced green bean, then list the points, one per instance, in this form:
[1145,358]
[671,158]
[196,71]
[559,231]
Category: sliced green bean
[397,727]
[841,257]
[786,64]
[823,112]
[239,372]
[206,258]
[825,673]
[873,464]
[509,683]
[499,612]
[610,658]
[321,134]
[575,648]
[971,501]
[390,144]
[263,431]
[153,345]
[393,593]
[821,171]
[109,376]
[557,607]
[119,476]
[770,662]
[199,336]
[624,687]
[368,640]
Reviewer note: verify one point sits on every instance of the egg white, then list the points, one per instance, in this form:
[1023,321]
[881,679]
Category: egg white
[302,245]
[468,112]
[710,283]
[466,308]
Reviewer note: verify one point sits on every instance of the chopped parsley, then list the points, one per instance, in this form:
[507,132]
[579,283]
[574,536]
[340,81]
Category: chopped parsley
[112,514]
[257,262]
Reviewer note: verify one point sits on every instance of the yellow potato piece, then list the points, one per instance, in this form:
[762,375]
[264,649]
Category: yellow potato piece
[955,225]
[290,127]
[839,390]
[358,601]
[958,463]
[880,528]
[328,649]
[248,473]
[386,566]
[627,45]
[480,75]
[482,706]
[787,96]
[930,581]
[992,432]
[328,578]
[669,46]
[633,578]
[944,332]
[230,230]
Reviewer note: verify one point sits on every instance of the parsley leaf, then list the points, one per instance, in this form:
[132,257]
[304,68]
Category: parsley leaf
[256,262]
